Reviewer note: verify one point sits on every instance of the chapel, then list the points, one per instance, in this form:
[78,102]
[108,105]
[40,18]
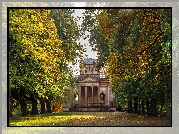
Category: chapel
[93,92]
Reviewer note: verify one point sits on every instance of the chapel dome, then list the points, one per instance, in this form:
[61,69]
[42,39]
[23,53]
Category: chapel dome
[88,61]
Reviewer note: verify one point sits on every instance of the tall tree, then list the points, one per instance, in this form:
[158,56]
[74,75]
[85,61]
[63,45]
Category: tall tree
[135,42]
[37,59]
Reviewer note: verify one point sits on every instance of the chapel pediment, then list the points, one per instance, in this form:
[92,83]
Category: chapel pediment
[88,79]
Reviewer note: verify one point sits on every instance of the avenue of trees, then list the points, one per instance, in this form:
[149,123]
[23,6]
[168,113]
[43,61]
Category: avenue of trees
[133,45]
[134,48]
[42,45]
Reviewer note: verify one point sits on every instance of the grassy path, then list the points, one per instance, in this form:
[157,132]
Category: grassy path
[89,119]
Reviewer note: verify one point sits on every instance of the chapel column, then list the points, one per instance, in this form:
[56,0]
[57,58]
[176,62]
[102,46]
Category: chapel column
[108,95]
[79,96]
[98,95]
[92,94]
[86,96]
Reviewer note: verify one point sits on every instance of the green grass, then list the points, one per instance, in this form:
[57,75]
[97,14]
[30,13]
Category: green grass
[89,119]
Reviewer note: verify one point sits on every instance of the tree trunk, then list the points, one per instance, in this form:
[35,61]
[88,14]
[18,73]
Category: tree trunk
[139,109]
[147,103]
[161,111]
[34,106]
[10,104]
[48,105]
[143,109]
[23,105]
[168,105]
[168,110]
[135,105]
[42,102]
[153,110]
[130,110]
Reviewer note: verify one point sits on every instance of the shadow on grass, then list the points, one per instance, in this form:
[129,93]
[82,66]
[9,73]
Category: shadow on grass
[89,119]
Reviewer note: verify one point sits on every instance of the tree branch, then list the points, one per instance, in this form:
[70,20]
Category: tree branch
[151,44]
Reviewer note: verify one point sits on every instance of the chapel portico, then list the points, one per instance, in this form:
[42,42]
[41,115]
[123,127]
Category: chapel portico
[90,96]
[93,89]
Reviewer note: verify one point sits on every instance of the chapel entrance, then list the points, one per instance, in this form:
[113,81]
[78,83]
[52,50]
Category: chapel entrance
[95,96]
[89,96]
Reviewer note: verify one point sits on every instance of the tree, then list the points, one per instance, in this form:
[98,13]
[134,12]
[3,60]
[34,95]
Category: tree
[41,62]
[135,43]
[68,32]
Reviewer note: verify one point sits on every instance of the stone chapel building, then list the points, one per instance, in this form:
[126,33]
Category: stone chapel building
[93,91]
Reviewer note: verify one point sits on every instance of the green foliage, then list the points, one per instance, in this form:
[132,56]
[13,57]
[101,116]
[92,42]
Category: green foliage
[41,46]
[134,46]
[68,32]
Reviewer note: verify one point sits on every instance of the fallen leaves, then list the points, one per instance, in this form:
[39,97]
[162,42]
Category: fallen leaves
[89,119]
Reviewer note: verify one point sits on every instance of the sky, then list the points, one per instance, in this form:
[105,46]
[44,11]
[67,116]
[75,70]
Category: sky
[78,12]
[89,52]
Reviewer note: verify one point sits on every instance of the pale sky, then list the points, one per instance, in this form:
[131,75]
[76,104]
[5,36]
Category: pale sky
[90,53]
[78,12]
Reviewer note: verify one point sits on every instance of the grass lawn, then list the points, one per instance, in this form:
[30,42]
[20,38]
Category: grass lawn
[89,119]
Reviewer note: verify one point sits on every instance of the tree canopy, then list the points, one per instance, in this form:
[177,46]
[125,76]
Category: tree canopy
[134,47]
[42,44]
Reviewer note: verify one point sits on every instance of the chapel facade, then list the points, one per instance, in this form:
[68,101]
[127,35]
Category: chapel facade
[93,90]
